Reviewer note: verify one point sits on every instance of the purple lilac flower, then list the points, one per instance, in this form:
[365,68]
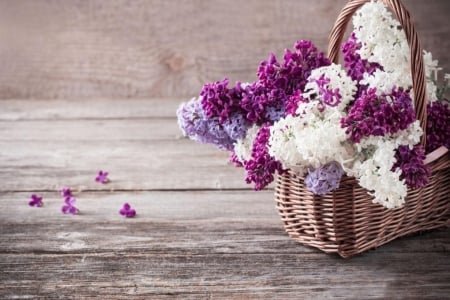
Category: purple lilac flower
[66,192]
[127,211]
[219,101]
[298,65]
[355,65]
[35,200]
[260,103]
[235,160]
[438,126]
[328,97]
[261,167]
[102,177]
[293,101]
[378,116]
[69,206]
[265,101]
[324,179]
[197,126]
[410,161]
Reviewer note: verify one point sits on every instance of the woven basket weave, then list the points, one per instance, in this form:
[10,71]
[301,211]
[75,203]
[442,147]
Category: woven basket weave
[346,221]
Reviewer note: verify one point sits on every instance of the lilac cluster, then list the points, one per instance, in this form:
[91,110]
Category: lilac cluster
[195,124]
[379,115]
[355,65]
[438,126]
[222,114]
[261,167]
[324,179]
[267,99]
[219,101]
[411,163]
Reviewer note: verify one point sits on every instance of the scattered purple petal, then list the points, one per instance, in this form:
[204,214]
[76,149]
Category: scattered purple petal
[66,192]
[36,201]
[102,177]
[69,206]
[127,211]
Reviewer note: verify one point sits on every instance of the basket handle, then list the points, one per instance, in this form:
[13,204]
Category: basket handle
[417,66]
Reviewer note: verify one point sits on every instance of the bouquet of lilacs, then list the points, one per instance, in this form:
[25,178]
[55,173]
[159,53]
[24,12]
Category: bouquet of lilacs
[324,121]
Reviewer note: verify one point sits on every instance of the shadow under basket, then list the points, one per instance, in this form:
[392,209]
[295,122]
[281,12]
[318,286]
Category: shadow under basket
[347,222]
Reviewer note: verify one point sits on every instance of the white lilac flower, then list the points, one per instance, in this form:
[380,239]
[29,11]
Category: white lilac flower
[383,42]
[282,143]
[373,173]
[243,147]
[431,73]
[311,140]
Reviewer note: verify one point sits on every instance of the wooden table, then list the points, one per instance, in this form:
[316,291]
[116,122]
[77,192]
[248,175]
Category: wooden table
[199,233]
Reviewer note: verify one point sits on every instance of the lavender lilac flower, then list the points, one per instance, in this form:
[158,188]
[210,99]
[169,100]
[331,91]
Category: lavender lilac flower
[378,116]
[324,179]
[411,163]
[196,125]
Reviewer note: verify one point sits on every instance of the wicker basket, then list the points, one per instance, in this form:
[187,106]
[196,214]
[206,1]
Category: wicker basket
[346,221]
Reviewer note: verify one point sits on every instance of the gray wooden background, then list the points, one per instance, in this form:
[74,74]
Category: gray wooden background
[51,49]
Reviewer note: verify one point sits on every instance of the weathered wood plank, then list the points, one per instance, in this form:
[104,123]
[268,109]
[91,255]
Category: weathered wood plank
[190,245]
[50,146]
[133,165]
[134,49]
[226,276]
[201,223]
[99,109]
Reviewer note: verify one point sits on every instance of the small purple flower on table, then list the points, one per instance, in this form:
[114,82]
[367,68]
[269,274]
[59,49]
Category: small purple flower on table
[127,211]
[69,206]
[66,192]
[324,179]
[102,177]
[35,200]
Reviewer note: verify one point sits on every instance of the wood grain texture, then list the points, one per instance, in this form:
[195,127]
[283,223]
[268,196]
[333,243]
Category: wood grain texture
[197,245]
[137,49]
[199,233]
